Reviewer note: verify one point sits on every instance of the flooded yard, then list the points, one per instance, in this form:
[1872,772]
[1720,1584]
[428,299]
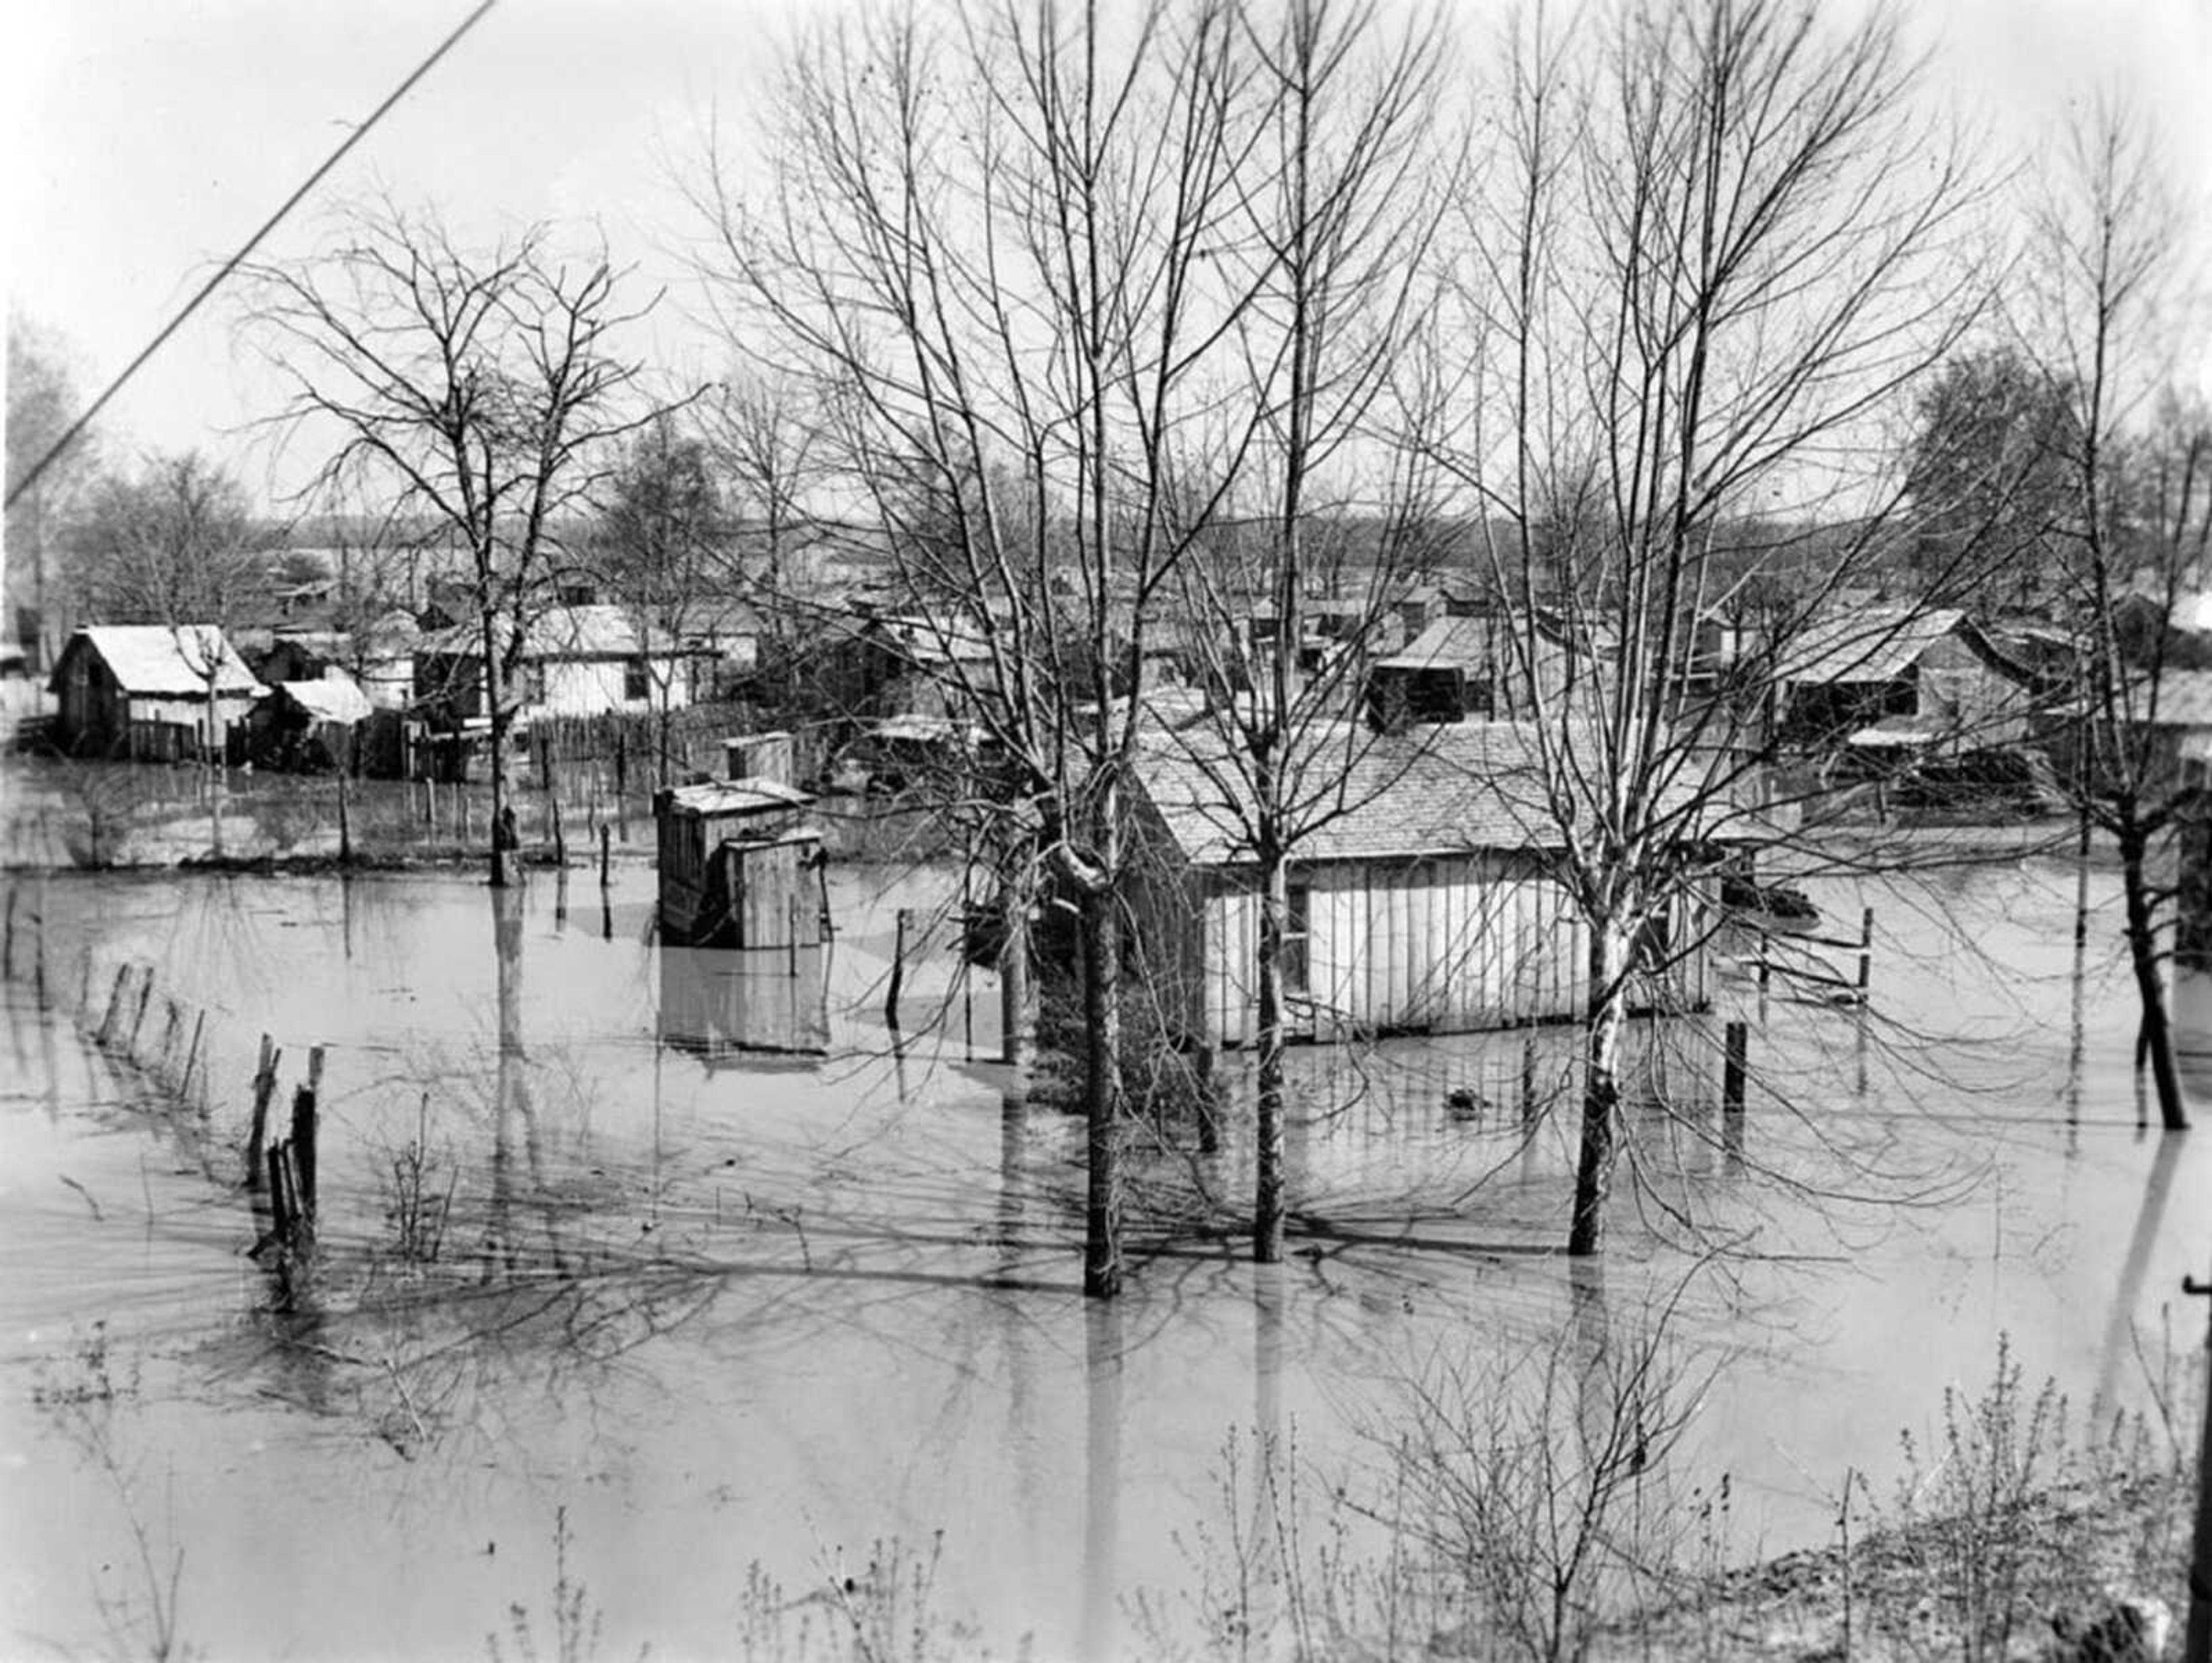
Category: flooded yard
[652,1273]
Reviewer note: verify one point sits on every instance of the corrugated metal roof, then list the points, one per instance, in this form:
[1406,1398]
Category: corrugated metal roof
[167,660]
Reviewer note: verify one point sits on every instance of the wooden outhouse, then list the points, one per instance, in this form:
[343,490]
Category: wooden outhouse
[1422,902]
[738,865]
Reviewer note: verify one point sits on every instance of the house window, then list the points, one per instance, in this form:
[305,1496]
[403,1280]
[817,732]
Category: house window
[636,682]
[1297,963]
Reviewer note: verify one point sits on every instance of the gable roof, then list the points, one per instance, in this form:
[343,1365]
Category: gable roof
[160,660]
[1443,790]
[1870,646]
[2184,699]
[1450,643]
[329,698]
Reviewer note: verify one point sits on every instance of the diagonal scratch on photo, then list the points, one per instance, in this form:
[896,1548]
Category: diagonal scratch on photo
[1192,829]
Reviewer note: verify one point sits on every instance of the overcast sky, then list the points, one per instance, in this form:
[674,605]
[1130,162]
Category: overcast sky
[146,138]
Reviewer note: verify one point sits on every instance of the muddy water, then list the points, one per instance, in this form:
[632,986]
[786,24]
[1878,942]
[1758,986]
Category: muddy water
[692,1252]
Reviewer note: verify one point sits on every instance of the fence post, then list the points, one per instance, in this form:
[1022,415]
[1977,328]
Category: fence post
[256,1137]
[8,952]
[305,1122]
[191,1056]
[898,969]
[1866,952]
[138,1017]
[114,1006]
[1733,1066]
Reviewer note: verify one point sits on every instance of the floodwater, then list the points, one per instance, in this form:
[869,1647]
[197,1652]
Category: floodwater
[695,1254]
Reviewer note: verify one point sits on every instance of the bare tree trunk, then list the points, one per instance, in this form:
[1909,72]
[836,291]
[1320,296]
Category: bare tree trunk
[2157,1042]
[1601,1090]
[1101,1024]
[1016,990]
[1269,1200]
[494,707]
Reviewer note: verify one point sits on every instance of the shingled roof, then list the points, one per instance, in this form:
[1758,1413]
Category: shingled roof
[1440,790]
[1449,789]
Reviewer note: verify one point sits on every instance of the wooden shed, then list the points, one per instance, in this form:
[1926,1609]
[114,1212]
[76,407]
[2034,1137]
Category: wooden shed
[738,866]
[152,691]
[1424,903]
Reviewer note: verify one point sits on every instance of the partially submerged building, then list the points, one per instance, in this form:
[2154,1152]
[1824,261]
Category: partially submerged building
[1424,900]
[739,865]
[151,692]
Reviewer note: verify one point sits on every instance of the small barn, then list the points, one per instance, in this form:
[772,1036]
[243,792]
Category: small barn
[1423,903]
[1904,678]
[152,692]
[739,867]
[1469,666]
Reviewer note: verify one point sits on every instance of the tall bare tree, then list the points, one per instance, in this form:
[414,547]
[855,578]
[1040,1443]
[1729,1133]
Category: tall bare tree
[765,439]
[479,390]
[993,251]
[660,548]
[2107,313]
[1715,240]
[1342,192]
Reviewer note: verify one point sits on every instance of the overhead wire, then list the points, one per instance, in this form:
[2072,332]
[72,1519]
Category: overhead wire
[76,429]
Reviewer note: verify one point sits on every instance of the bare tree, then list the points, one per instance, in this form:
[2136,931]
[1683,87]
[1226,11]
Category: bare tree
[1342,192]
[1714,244]
[660,546]
[765,436]
[480,390]
[174,544]
[42,401]
[993,254]
[2135,516]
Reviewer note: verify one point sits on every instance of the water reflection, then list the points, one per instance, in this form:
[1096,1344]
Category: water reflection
[721,1004]
[1103,1363]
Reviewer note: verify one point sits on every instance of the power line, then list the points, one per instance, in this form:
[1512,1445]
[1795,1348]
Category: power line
[232,265]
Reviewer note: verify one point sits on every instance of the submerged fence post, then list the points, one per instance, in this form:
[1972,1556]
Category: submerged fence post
[192,1056]
[1736,1057]
[114,1005]
[898,969]
[265,1084]
[138,1016]
[305,1122]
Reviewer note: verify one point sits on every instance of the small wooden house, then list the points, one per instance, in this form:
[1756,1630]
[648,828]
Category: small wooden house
[152,692]
[738,865]
[575,661]
[1424,903]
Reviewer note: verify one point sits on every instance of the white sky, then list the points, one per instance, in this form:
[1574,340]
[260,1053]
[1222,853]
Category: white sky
[144,139]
